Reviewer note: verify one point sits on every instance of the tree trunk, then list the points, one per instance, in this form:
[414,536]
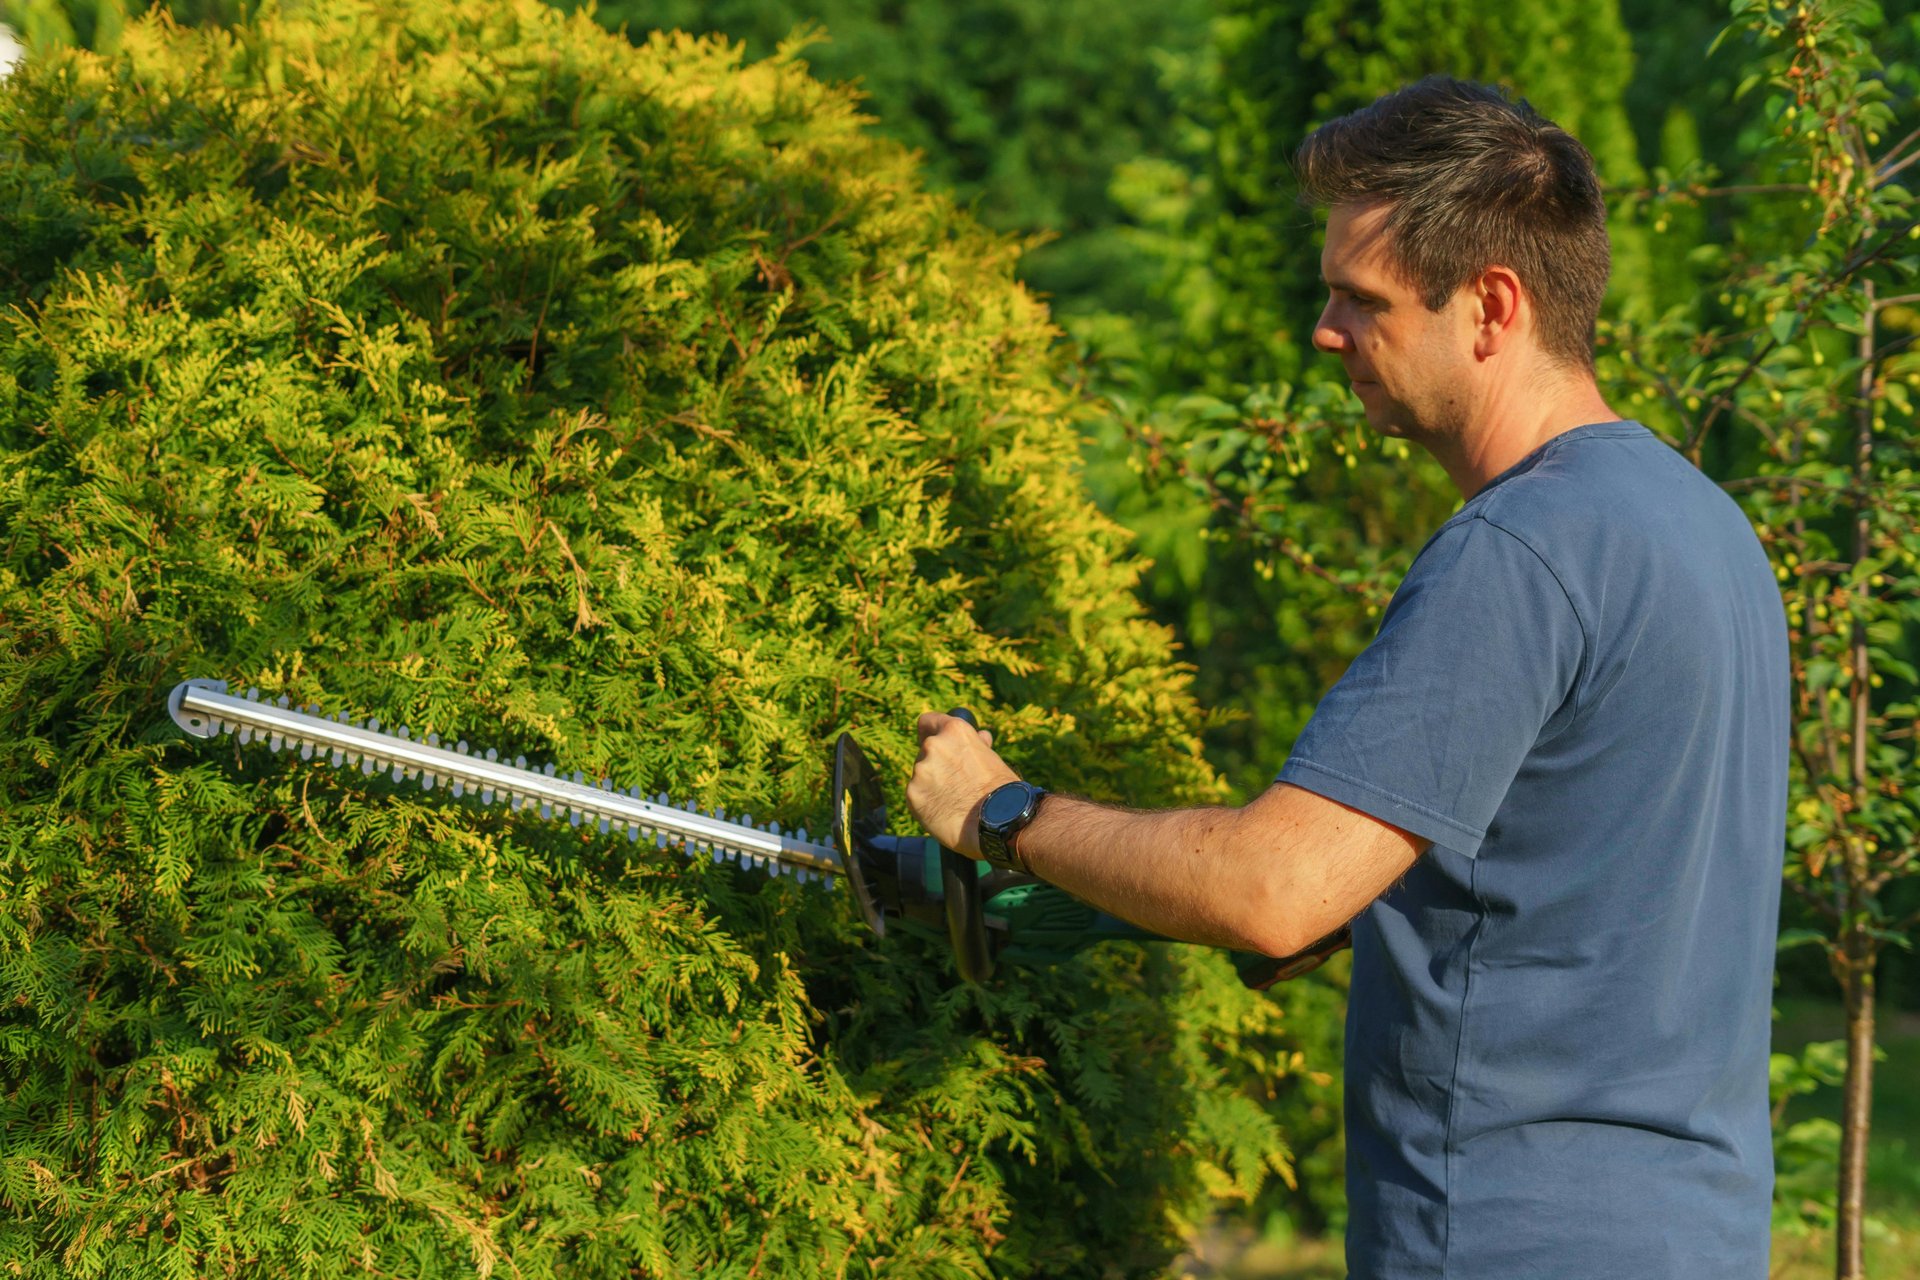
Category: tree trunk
[1856,1104]
[1859,949]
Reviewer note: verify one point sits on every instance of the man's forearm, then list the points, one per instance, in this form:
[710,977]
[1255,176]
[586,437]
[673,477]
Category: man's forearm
[1190,874]
[1274,876]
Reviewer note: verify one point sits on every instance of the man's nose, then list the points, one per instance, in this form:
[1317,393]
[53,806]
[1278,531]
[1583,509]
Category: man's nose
[1325,336]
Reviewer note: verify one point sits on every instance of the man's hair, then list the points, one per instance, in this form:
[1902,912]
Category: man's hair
[1473,179]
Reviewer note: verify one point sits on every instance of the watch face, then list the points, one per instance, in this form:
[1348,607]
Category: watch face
[1005,805]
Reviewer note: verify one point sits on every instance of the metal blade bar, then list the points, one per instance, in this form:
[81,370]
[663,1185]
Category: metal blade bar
[204,708]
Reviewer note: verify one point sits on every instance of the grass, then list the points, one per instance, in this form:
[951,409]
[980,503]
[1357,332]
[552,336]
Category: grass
[1236,1252]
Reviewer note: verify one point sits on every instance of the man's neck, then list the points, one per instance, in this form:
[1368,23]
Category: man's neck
[1512,424]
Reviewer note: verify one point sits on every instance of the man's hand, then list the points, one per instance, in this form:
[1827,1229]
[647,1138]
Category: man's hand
[956,770]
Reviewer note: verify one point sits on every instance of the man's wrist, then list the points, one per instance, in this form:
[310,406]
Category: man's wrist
[1018,849]
[1005,814]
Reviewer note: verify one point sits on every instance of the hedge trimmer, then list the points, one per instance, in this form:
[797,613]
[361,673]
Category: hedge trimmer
[988,915]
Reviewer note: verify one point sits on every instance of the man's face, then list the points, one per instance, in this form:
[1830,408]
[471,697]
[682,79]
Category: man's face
[1409,366]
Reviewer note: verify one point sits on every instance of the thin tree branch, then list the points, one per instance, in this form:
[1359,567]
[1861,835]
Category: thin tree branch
[1886,175]
[1828,284]
[1698,192]
[1819,904]
[1891,868]
[1887,157]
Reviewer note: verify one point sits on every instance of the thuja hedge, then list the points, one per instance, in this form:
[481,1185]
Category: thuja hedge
[636,409]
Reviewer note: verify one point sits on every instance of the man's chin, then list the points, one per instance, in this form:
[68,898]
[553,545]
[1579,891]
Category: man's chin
[1383,422]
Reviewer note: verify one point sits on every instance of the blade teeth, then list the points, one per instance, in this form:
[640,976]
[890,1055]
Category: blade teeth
[370,761]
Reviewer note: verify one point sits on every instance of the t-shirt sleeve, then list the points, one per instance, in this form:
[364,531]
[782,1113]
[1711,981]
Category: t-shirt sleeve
[1477,659]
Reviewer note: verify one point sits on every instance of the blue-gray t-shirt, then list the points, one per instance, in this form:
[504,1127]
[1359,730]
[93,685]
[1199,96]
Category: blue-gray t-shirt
[1556,1060]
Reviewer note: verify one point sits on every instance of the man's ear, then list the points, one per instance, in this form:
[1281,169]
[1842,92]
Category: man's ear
[1502,309]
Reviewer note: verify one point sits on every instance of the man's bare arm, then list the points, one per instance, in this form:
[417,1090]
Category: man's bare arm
[1273,877]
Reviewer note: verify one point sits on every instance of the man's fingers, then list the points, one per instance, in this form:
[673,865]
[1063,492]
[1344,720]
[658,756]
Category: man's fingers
[932,724]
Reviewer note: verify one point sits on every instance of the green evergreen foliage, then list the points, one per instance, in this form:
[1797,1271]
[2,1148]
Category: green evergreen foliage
[635,408]
[1022,108]
[97,24]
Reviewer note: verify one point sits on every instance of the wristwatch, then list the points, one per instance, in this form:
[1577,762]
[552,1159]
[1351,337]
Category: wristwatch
[1008,808]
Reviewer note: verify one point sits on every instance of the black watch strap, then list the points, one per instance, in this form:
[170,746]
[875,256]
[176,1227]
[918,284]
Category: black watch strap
[1005,813]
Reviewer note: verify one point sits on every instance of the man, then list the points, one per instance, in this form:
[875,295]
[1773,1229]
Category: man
[1550,795]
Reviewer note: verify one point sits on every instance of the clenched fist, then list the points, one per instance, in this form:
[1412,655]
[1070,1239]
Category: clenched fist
[956,770]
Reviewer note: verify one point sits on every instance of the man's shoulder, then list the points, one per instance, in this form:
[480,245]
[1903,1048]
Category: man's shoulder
[1602,498]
